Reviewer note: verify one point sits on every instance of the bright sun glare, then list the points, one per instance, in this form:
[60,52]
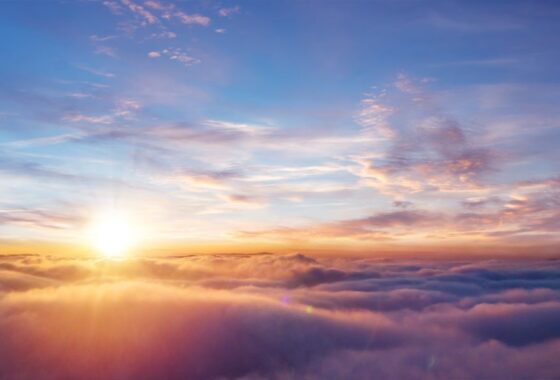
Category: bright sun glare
[112,235]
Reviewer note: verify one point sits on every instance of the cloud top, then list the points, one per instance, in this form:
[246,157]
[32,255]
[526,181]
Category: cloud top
[277,316]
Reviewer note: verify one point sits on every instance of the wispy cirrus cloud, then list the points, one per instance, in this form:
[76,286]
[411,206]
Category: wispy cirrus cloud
[98,72]
[474,22]
[44,219]
[208,179]
[226,12]
[405,151]
[530,218]
[381,226]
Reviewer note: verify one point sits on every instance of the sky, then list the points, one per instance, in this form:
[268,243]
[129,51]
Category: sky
[282,190]
[318,126]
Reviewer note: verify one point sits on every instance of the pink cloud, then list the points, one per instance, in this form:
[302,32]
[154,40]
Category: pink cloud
[277,316]
[193,19]
[225,12]
[140,11]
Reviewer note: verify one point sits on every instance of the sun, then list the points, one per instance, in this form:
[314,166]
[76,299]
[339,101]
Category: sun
[112,234]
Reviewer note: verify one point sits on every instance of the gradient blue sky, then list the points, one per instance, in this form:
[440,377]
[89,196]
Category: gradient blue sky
[308,124]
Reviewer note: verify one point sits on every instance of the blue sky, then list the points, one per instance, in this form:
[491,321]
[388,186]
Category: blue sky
[378,124]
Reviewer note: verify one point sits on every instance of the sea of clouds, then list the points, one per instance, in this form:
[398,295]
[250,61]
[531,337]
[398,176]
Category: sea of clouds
[267,316]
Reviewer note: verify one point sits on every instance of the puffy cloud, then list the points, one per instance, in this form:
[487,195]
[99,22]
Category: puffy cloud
[192,19]
[156,16]
[142,12]
[257,316]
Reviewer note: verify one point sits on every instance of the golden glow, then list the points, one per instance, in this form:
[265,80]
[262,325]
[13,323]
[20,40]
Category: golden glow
[112,234]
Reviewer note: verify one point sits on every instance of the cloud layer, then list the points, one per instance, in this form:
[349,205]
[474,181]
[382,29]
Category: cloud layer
[269,316]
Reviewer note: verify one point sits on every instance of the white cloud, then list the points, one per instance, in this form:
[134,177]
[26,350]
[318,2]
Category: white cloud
[139,10]
[97,72]
[225,12]
[194,19]
[106,50]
